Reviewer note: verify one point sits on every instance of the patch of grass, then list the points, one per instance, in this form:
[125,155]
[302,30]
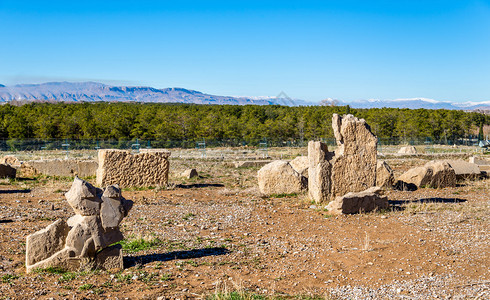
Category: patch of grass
[186,262]
[86,287]
[50,270]
[139,244]
[59,191]
[138,188]
[7,278]
[166,277]
[283,195]
[236,295]
[188,216]
[124,278]
[67,277]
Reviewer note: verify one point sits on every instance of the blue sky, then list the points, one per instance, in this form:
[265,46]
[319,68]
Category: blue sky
[311,50]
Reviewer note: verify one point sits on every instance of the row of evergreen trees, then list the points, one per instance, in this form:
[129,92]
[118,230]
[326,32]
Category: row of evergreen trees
[249,123]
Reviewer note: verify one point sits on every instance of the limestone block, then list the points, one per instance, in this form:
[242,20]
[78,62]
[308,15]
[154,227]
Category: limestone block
[83,198]
[442,174]
[384,174]
[46,242]
[354,164]
[10,160]
[436,174]
[300,164]
[479,161]
[408,150]
[319,172]
[121,167]
[60,167]
[6,171]
[190,173]
[110,258]
[364,201]
[420,176]
[279,177]
[464,170]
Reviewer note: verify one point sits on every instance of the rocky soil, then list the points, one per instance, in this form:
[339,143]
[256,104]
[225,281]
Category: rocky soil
[216,234]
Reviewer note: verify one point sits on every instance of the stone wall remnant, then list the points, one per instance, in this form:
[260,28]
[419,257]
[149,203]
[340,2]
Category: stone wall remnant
[126,169]
[85,238]
[354,163]
[11,160]
[464,170]
[59,167]
[279,177]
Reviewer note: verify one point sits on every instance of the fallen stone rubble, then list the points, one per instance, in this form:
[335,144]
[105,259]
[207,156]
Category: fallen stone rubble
[85,238]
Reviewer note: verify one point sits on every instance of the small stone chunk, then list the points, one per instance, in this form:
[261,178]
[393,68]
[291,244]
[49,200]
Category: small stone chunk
[190,173]
[83,198]
[364,201]
[6,171]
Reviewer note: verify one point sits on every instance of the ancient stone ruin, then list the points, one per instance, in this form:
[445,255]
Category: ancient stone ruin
[408,150]
[435,174]
[148,168]
[85,238]
[364,201]
[384,174]
[351,168]
[279,177]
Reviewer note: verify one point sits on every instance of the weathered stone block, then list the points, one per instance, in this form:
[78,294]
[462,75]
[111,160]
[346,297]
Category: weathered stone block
[354,164]
[301,164]
[364,201]
[319,171]
[279,177]
[121,167]
[384,175]
[46,242]
[110,258]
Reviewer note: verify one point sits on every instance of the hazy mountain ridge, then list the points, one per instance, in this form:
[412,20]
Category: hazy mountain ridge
[94,91]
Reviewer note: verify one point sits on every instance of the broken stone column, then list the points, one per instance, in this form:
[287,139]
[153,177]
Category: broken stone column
[84,239]
[354,164]
[435,174]
[319,171]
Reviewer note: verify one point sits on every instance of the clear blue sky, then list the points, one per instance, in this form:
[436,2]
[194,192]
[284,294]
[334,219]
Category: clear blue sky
[311,50]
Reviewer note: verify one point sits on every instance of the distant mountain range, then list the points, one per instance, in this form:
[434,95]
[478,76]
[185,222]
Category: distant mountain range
[94,91]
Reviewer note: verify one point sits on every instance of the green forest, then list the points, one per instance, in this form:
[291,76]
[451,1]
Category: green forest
[245,124]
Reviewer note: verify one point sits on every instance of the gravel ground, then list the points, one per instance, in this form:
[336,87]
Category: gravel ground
[216,234]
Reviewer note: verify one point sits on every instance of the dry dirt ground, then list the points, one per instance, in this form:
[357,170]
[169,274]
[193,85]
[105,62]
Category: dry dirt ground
[205,237]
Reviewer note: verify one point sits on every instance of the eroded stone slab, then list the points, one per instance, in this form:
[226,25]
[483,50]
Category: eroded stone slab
[365,201]
[278,177]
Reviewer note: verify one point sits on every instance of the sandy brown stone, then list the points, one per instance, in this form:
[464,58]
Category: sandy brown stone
[189,173]
[408,150]
[300,164]
[279,177]
[319,172]
[364,201]
[354,164]
[110,258]
[384,174]
[121,167]
[436,174]
[46,242]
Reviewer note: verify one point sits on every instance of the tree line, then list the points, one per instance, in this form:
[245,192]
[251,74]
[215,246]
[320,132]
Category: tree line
[248,123]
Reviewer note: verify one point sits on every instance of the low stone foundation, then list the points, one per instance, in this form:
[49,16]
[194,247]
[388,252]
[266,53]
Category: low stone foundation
[59,167]
[121,167]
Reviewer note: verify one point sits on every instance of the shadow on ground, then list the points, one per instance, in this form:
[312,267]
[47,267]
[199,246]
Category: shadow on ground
[199,185]
[427,200]
[130,261]
[15,191]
